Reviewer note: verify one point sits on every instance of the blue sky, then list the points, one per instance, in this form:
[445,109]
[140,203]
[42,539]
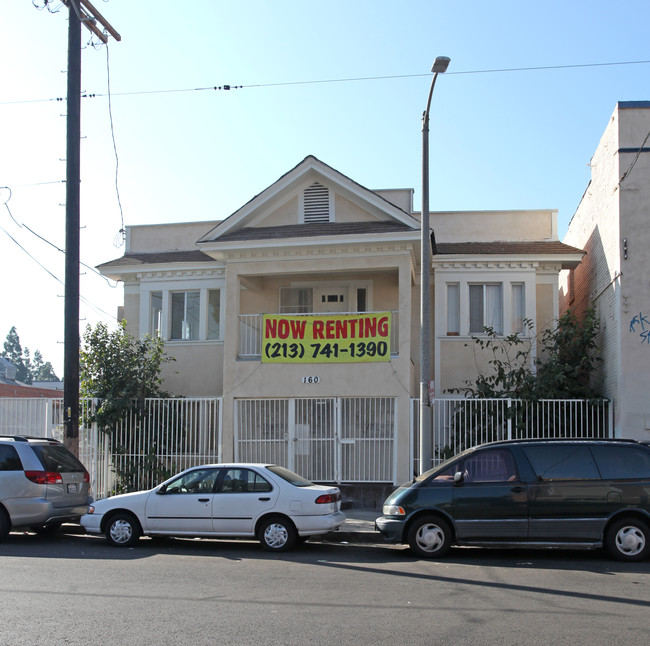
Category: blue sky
[499,139]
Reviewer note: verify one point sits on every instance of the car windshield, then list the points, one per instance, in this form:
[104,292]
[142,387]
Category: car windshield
[440,467]
[55,457]
[289,476]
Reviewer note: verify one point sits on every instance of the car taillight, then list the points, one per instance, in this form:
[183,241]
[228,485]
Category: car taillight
[86,476]
[44,477]
[328,497]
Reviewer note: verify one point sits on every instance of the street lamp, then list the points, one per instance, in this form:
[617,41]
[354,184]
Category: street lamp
[439,67]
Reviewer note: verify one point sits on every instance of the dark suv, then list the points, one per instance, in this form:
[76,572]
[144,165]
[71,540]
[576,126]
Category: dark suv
[42,485]
[528,493]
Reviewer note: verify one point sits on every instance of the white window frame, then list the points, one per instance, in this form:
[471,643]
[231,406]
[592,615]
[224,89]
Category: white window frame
[488,292]
[453,309]
[517,307]
[187,333]
[166,290]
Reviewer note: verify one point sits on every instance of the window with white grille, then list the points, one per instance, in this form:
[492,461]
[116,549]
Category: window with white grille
[316,204]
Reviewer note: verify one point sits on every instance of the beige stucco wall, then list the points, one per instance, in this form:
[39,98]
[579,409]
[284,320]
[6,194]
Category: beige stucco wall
[253,379]
[464,359]
[166,237]
[400,197]
[545,312]
[287,213]
[132,309]
[490,226]
[197,370]
[347,211]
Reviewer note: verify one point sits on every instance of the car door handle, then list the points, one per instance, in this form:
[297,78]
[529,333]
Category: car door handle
[518,489]
[264,499]
[204,499]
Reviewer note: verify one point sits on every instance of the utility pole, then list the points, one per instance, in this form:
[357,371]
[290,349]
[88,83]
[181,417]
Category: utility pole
[80,12]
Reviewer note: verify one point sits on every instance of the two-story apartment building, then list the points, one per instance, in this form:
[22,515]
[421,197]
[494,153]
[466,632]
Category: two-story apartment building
[301,311]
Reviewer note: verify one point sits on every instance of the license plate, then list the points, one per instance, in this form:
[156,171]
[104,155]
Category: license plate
[72,488]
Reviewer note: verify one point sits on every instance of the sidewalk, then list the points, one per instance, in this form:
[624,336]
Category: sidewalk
[359,527]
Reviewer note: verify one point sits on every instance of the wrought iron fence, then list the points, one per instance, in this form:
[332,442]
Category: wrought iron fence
[166,436]
[458,424]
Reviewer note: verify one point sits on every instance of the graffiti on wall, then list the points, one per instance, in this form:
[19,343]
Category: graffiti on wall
[640,325]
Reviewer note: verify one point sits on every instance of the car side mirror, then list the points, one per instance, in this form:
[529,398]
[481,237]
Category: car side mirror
[162,490]
[458,476]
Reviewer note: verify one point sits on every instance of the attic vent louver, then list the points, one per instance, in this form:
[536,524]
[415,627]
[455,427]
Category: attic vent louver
[316,204]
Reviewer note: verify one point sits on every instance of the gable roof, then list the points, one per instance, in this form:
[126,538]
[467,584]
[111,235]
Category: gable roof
[309,168]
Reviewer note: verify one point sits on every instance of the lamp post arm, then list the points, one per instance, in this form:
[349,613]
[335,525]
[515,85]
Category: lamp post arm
[425,114]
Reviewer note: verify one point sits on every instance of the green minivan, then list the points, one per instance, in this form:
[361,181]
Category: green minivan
[569,493]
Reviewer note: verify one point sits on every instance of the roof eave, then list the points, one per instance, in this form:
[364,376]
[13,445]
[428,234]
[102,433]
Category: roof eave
[568,260]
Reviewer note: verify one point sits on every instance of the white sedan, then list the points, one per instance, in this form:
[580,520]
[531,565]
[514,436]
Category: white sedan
[261,501]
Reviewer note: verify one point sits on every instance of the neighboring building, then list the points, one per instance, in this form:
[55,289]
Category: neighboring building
[611,225]
[9,387]
[316,244]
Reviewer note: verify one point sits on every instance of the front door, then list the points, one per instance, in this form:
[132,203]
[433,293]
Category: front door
[331,299]
[184,506]
[490,502]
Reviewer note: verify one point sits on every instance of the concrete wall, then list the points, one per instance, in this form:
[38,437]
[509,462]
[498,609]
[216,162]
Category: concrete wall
[180,236]
[611,224]
[489,226]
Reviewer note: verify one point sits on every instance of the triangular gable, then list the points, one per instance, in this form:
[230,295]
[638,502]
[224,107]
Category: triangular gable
[288,187]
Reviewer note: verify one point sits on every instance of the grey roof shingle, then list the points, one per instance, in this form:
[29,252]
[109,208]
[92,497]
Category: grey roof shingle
[314,230]
[505,248]
[158,257]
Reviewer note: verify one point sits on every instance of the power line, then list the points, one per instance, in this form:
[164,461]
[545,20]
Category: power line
[122,232]
[357,79]
[58,280]
[22,225]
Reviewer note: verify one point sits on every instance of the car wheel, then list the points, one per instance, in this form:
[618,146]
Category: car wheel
[277,534]
[628,539]
[46,530]
[122,530]
[5,524]
[429,537]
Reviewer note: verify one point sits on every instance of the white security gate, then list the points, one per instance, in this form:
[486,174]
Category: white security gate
[334,439]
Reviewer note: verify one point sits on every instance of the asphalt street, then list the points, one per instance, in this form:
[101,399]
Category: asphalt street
[75,589]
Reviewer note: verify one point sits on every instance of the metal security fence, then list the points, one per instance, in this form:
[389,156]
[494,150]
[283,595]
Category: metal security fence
[167,436]
[35,416]
[460,423]
[337,439]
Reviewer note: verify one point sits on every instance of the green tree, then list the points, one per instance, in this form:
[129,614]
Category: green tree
[28,370]
[569,358]
[566,360]
[13,352]
[121,371]
[42,370]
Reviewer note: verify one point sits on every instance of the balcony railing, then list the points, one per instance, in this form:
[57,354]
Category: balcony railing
[250,333]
